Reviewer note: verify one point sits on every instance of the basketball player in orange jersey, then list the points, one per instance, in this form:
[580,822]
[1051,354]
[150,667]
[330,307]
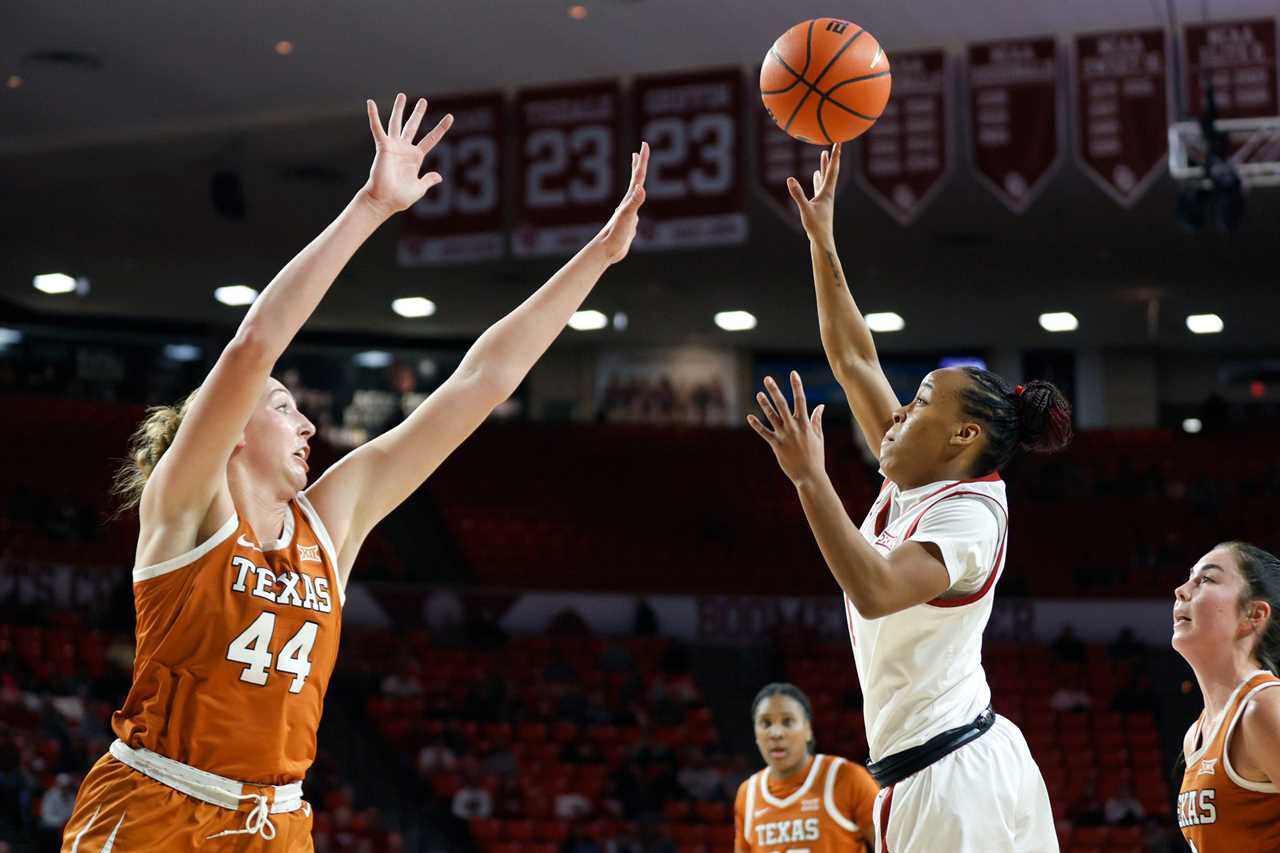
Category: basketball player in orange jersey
[242,569]
[800,800]
[919,573]
[1226,623]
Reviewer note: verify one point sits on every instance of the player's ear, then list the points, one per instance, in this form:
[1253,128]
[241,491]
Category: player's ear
[966,434]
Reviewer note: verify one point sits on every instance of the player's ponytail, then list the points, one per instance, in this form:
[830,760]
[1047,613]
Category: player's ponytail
[1035,417]
[783,688]
[1261,571]
[148,443]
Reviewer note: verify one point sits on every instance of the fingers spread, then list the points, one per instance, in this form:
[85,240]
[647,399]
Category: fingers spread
[797,392]
[375,122]
[816,420]
[761,430]
[775,395]
[642,166]
[397,116]
[436,134]
[797,194]
[429,180]
[415,118]
[775,420]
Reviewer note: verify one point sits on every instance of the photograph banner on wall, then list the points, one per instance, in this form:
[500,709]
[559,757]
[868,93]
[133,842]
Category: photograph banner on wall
[1239,59]
[1013,113]
[905,158]
[1121,86]
[694,190]
[567,164]
[780,156]
[460,220]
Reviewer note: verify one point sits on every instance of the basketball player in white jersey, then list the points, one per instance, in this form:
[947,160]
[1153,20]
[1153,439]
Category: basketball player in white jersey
[918,574]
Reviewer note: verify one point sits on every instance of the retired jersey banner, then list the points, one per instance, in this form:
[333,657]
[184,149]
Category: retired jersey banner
[460,220]
[779,156]
[694,190]
[1122,110]
[904,159]
[1013,111]
[568,175]
[1238,58]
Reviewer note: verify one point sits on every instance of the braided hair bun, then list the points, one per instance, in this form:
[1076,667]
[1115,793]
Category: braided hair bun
[1044,417]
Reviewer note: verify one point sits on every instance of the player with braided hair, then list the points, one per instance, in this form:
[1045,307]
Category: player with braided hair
[919,572]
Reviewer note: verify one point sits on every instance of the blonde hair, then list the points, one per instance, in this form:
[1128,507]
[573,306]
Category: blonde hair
[147,444]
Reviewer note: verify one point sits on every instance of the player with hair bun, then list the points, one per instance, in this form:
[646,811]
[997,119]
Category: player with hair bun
[918,573]
[801,800]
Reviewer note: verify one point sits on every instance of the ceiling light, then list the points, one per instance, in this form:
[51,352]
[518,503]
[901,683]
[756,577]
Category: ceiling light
[235,294]
[1192,425]
[54,282]
[885,321]
[1059,321]
[1204,324]
[372,358]
[962,361]
[735,321]
[578,12]
[9,336]
[14,82]
[620,321]
[413,306]
[284,48]
[181,352]
[588,321]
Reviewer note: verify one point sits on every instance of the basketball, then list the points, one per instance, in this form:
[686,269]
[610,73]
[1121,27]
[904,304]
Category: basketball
[825,81]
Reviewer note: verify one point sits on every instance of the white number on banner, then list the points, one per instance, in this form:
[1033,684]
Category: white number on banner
[253,649]
[549,150]
[669,140]
[473,188]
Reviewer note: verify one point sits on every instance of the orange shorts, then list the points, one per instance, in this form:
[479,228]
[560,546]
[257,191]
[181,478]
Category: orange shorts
[123,810]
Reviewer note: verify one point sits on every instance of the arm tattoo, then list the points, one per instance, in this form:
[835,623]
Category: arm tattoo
[834,264]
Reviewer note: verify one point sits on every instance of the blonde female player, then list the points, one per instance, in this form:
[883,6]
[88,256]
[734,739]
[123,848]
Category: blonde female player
[1226,623]
[801,800]
[918,575]
[241,568]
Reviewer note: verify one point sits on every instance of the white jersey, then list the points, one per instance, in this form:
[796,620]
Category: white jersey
[921,668]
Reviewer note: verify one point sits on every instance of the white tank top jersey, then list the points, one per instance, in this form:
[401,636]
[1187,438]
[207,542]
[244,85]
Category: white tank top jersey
[921,668]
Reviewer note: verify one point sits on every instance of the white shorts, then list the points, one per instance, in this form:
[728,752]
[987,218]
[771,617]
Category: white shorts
[986,797]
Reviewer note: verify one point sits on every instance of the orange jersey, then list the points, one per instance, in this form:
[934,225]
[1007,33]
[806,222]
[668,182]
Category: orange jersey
[236,642]
[823,809]
[1217,809]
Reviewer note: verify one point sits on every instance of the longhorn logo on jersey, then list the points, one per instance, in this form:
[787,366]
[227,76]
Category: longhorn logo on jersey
[282,589]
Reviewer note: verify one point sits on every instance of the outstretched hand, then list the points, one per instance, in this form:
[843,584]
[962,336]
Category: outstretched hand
[620,230]
[393,183]
[796,437]
[818,213]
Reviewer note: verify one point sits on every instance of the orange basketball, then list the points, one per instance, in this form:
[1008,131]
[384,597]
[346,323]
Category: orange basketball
[825,81]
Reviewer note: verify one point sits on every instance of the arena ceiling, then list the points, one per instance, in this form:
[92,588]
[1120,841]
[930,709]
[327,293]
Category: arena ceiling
[106,161]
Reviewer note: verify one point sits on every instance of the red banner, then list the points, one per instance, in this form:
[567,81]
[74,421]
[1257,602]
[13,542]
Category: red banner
[779,156]
[1239,59]
[1013,109]
[905,157]
[1122,110]
[694,191]
[460,220]
[567,166]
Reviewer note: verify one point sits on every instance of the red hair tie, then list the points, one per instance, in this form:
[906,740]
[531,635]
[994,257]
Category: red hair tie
[1017,391]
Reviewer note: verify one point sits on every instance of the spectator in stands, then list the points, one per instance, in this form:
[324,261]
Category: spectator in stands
[1138,694]
[558,670]
[445,617]
[698,778]
[1067,647]
[572,805]
[1123,807]
[499,761]
[1159,837]
[1070,698]
[1126,648]
[472,800]
[1087,810]
[435,757]
[646,620]
[405,681]
[55,808]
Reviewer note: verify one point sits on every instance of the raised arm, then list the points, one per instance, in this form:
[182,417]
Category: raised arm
[362,488]
[845,336]
[191,475]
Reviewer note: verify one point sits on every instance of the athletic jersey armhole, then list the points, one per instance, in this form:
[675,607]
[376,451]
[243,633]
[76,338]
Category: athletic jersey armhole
[829,798]
[1247,784]
[181,561]
[322,533]
[749,807]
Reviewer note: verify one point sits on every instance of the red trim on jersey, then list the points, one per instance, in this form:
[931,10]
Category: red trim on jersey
[995,564]
[884,819]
